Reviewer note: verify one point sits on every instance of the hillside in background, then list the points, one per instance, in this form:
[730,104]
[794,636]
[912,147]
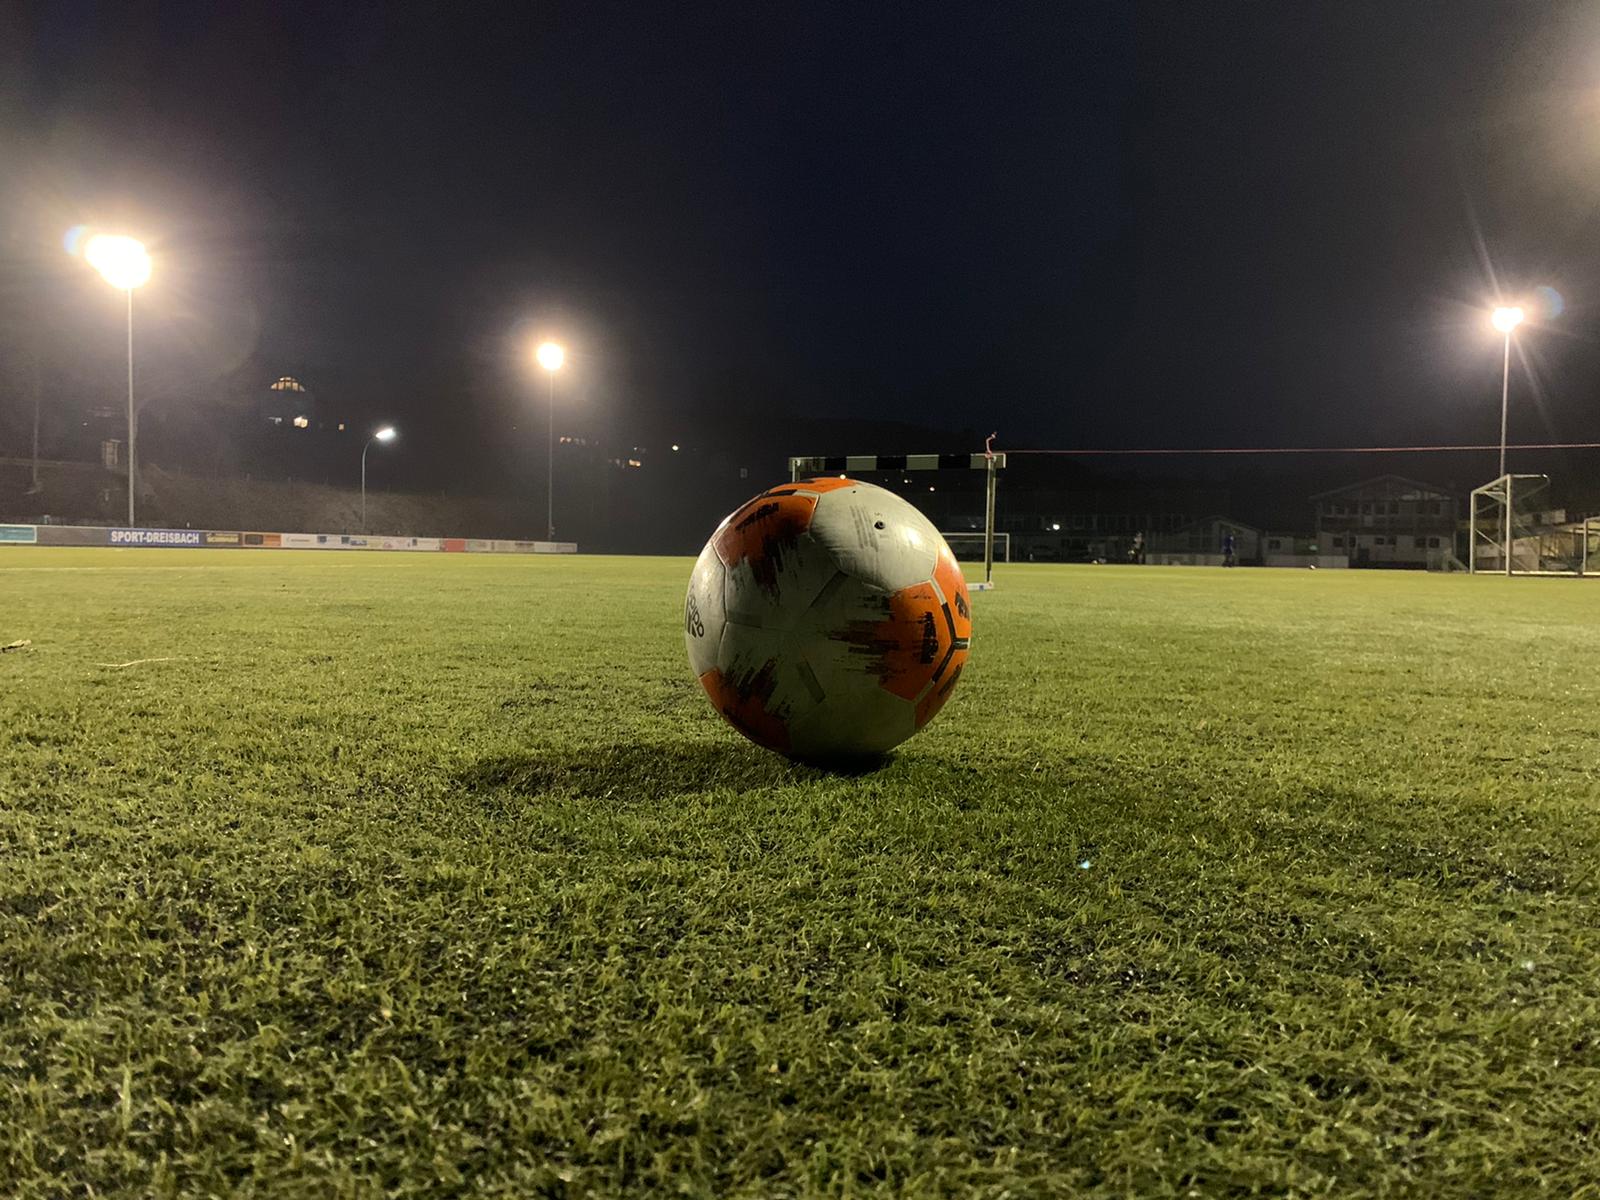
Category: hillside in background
[87,494]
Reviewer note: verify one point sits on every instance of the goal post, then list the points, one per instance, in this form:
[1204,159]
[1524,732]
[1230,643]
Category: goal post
[1512,529]
[989,462]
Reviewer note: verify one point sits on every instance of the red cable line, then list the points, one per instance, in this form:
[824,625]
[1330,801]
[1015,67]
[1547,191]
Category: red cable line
[1323,449]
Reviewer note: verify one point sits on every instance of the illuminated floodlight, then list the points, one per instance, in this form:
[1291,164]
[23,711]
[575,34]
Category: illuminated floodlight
[550,355]
[121,261]
[1506,319]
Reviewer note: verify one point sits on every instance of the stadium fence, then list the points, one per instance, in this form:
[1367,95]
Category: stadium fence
[231,539]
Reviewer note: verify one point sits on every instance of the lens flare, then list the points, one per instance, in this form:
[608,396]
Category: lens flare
[1549,302]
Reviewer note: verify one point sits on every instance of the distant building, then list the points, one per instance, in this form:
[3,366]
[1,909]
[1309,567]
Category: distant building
[1200,544]
[1389,521]
[288,404]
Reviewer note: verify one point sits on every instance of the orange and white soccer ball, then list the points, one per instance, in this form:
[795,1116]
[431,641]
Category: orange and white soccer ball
[827,620]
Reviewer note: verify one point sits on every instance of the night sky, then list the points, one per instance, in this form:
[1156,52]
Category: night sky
[1082,225]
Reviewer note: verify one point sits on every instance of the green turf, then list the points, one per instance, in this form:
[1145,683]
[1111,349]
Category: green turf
[436,875]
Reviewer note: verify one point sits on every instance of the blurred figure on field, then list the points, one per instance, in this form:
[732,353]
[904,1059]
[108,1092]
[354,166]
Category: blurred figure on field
[1136,551]
[1228,559]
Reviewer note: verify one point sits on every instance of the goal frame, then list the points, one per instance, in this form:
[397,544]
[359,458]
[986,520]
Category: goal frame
[990,462]
[1495,526]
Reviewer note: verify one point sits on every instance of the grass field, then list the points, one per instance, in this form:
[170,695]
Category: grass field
[334,875]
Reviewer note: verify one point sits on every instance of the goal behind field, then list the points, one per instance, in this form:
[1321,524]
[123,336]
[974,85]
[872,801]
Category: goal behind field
[1513,530]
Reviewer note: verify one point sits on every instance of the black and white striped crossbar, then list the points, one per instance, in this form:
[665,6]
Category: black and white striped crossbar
[845,463]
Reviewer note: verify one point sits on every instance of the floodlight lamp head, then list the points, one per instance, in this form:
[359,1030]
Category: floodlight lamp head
[121,261]
[1505,319]
[550,355]
[386,434]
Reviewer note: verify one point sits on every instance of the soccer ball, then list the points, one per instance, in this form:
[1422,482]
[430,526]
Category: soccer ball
[827,620]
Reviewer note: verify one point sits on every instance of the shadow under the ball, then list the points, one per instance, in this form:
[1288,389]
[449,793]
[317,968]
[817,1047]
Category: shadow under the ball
[631,772]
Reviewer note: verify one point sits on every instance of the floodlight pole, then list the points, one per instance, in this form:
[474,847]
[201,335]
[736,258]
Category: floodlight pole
[550,473]
[35,485]
[364,450]
[132,427]
[1505,391]
[35,383]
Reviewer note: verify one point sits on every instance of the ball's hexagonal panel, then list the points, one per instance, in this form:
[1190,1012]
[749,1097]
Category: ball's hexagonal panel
[754,686]
[703,616]
[761,548]
[875,536]
[860,724]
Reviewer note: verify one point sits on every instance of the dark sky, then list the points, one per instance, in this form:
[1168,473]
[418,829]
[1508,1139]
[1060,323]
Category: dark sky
[1080,224]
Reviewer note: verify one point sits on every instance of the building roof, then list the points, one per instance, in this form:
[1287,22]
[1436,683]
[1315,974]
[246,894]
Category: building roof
[1403,481]
[1216,520]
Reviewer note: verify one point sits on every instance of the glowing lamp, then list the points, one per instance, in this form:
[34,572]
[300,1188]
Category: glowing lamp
[1506,319]
[122,261]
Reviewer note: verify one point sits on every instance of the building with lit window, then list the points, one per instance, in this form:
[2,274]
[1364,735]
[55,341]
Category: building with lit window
[1390,521]
[288,404]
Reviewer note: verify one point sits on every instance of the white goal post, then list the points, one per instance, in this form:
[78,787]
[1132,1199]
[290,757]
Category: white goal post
[989,462]
[1513,530]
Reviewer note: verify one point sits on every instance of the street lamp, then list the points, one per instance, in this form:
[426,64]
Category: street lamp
[386,434]
[1506,320]
[551,355]
[123,263]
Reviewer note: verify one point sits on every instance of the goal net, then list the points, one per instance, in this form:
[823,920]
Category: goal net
[1514,530]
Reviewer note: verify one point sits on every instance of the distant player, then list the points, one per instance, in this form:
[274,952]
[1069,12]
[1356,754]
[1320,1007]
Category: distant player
[1228,559]
[1136,551]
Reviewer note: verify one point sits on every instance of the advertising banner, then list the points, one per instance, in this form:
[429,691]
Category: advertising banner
[89,535]
[157,537]
[514,546]
[71,535]
[410,543]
